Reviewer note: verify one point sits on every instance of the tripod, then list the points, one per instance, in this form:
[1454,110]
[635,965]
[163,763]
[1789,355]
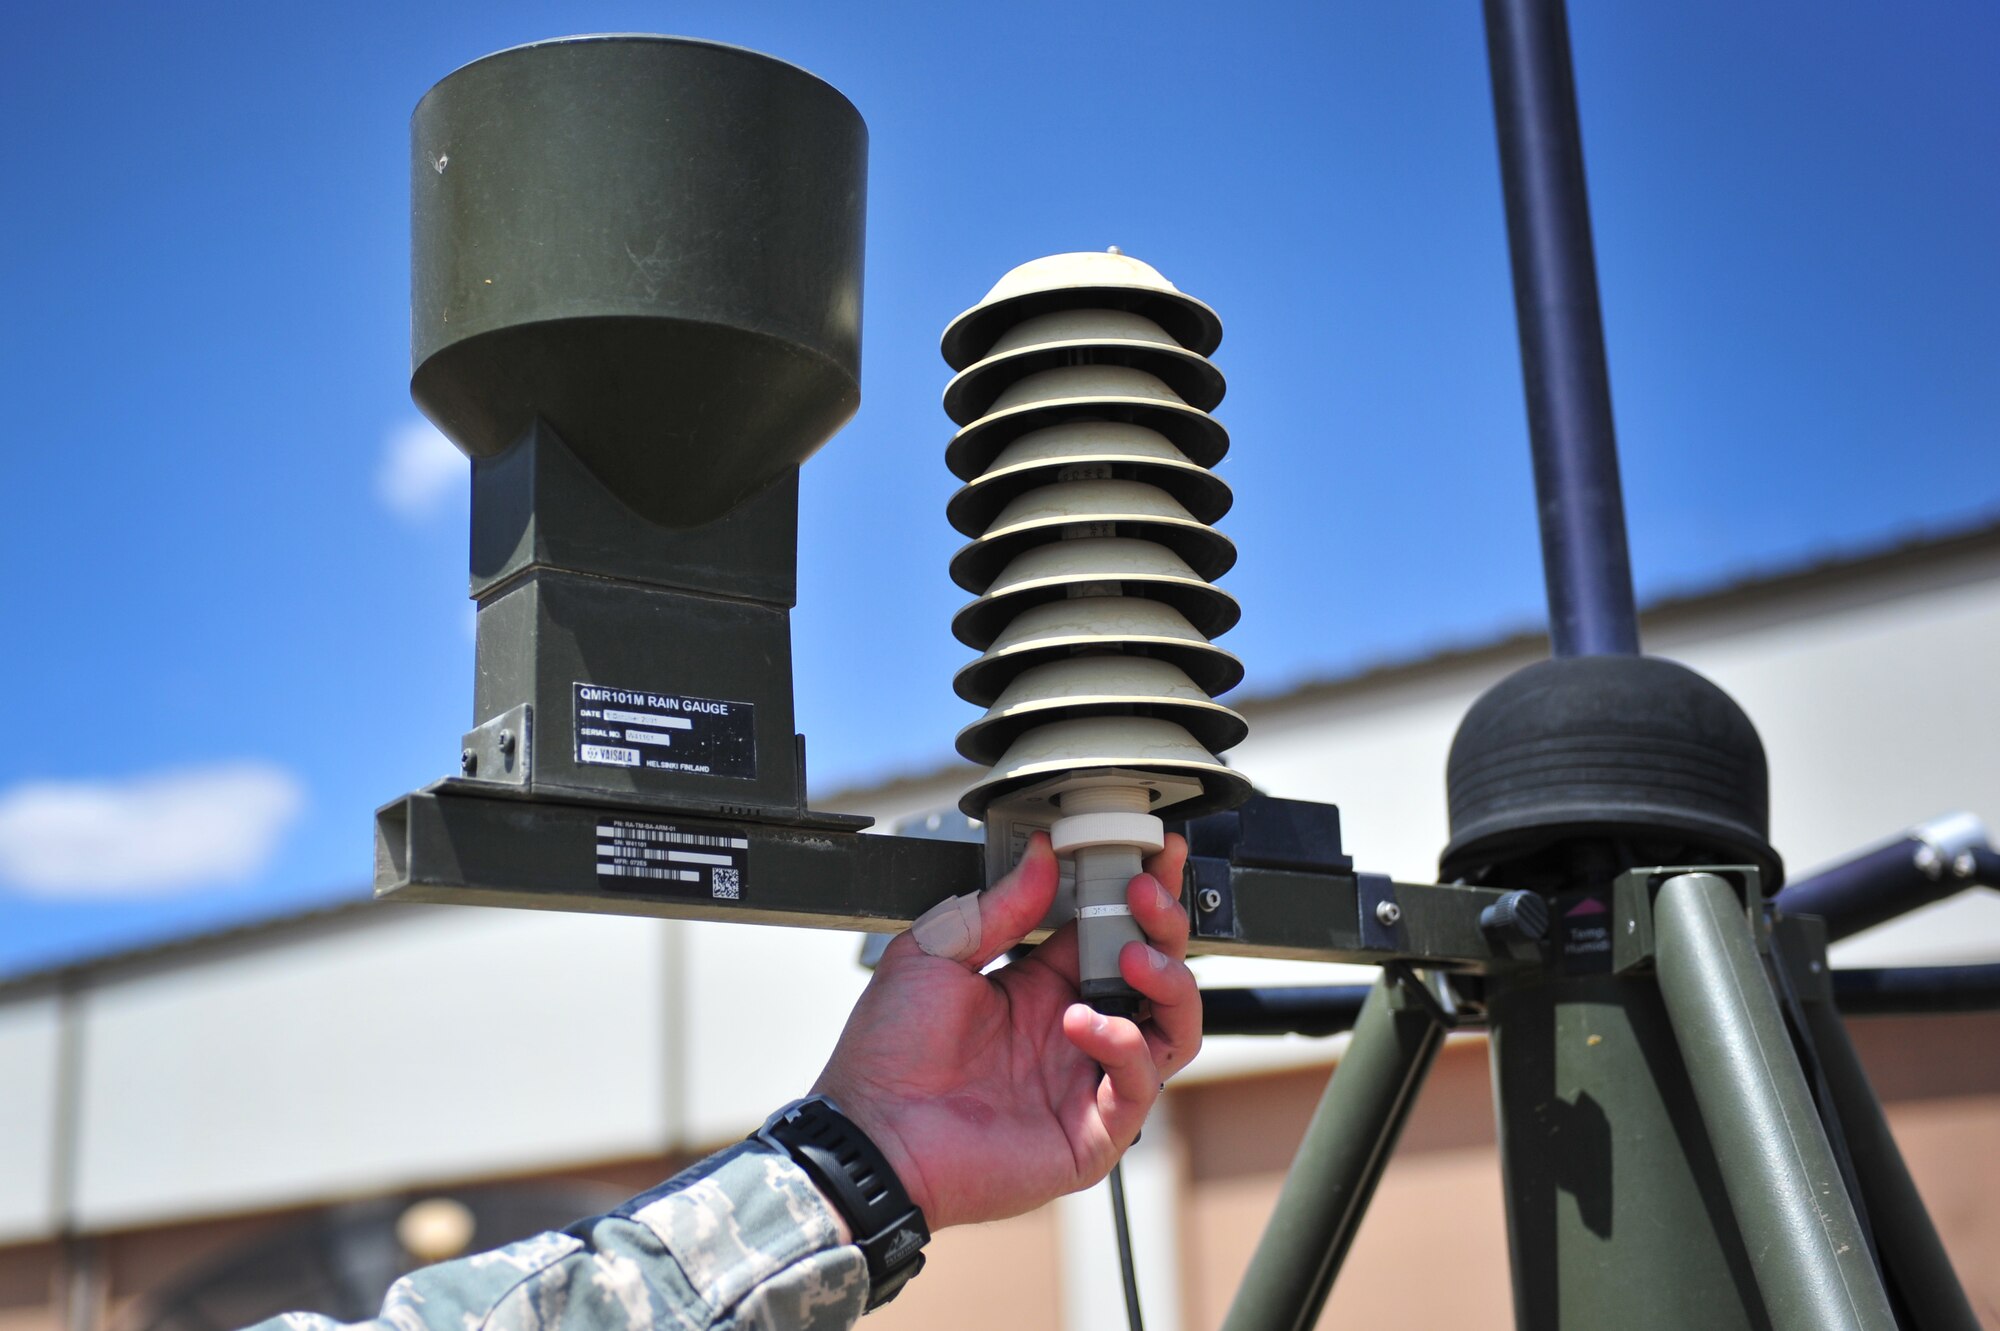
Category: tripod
[1686,1134]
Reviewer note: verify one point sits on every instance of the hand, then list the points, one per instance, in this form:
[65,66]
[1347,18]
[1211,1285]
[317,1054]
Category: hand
[992,1094]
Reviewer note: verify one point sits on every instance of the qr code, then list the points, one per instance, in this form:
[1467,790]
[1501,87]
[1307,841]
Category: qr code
[727,885]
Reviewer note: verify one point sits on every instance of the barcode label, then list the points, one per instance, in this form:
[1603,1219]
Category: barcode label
[656,855]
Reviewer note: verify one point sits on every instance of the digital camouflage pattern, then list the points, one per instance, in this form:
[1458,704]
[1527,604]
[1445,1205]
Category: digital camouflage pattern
[742,1241]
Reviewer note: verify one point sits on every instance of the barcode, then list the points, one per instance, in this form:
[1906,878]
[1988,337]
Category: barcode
[607,851]
[645,871]
[726,885]
[616,852]
[636,832]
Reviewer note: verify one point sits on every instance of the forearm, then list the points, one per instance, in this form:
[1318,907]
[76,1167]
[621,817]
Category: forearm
[741,1240]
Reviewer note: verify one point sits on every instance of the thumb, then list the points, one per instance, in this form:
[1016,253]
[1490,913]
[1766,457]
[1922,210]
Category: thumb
[1008,911]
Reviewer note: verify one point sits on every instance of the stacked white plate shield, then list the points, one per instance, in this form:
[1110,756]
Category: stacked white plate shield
[1082,396]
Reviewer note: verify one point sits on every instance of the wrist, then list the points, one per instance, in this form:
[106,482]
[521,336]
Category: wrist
[859,1183]
[880,1125]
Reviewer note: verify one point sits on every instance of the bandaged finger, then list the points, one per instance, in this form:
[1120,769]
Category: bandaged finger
[950,929]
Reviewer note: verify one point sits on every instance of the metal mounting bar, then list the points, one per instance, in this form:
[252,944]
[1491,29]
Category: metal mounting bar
[1346,1147]
[1931,861]
[476,843]
[1916,990]
[1329,1009]
[1366,919]
[1306,1009]
[450,845]
[1804,1241]
[1582,509]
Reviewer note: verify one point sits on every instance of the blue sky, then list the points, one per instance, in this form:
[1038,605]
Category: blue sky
[235,570]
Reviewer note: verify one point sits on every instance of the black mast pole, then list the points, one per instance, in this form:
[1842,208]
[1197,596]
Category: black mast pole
[1581,508]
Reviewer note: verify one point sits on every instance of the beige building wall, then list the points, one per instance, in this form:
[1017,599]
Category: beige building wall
[1432,1252]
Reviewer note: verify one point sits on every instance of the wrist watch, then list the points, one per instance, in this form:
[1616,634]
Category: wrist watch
[857,1178]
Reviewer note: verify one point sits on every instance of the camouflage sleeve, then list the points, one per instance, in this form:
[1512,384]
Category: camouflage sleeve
[740,1242]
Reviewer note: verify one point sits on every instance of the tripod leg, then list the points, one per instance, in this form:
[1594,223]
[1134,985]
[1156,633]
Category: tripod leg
[1346,1147]
[1805,1244]
[1905,1239]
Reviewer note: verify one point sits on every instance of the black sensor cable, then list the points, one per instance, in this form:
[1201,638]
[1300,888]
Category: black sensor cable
[1125,1267]
[1121,1224]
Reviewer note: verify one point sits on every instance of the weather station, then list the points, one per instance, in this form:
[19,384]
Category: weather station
[636,299]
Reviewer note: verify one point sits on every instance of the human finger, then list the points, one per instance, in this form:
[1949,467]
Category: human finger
[1011,908]
[1059,950]
[1130,1083]
[1169,864]
[1058,953]
[979,926]
[1175,1037]
[1160,918]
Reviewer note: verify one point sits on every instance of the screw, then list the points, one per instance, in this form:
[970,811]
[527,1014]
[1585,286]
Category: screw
[468,761]
[1387,913]
[1964,865]
[1209,899]
[506,741]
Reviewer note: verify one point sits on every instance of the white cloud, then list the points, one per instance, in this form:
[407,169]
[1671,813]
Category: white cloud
[147,835]
[420,471]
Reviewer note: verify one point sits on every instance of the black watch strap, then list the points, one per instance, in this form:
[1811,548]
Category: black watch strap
[857,1178]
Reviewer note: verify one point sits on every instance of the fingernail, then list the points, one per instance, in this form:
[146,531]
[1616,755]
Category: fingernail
[1160,897]
[1156,958]
[1097,1024]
